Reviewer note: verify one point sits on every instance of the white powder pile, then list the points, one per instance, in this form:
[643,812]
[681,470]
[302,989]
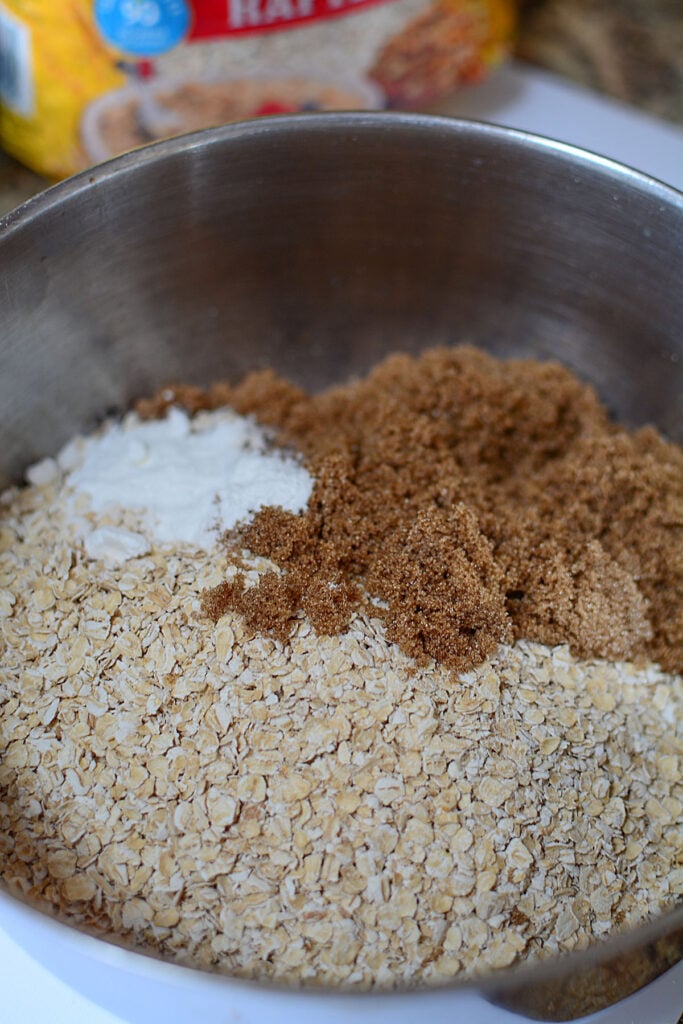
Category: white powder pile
[191,478]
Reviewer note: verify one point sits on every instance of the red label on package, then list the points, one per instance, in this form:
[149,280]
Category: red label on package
[218,18]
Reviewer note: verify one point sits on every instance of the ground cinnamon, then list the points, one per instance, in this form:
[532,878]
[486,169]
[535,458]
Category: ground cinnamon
[470,501]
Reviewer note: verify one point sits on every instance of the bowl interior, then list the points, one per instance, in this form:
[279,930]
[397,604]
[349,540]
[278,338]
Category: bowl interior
[317,245]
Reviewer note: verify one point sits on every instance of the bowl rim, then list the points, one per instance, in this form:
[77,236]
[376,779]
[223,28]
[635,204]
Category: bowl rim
[366,91]
[109,950]
[344,121]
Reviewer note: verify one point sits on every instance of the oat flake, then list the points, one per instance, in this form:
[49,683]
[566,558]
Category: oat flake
[320,811]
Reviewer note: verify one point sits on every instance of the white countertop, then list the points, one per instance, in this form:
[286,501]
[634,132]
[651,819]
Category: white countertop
[29,994]
[519,96]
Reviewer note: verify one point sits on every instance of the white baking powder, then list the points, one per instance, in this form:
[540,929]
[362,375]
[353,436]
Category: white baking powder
[191,478]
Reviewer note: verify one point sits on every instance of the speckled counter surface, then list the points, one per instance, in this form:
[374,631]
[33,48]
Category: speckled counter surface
[628,49]
[631,50]
[16,183]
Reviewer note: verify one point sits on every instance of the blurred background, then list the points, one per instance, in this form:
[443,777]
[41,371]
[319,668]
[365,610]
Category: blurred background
[566,55]
[631,50]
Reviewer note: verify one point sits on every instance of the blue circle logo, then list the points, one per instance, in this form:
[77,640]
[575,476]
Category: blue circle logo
[143,28]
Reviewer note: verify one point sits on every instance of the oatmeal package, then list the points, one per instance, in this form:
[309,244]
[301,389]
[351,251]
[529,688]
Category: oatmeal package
[84,80]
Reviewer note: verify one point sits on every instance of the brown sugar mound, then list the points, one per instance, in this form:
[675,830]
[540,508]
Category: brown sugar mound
[268,608]
[471,501]
[444,589]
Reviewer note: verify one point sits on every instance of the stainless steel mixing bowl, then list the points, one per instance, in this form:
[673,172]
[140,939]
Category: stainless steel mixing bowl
[316,244]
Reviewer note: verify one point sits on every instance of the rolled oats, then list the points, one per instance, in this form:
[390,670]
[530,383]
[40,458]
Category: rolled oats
[319,811]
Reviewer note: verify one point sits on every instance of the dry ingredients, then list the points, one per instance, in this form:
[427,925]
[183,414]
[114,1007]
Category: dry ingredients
[480,500]
[193,477]
[323,809]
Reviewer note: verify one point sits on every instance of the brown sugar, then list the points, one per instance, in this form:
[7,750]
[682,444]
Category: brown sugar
[469,501]
[270,608]
[445,591]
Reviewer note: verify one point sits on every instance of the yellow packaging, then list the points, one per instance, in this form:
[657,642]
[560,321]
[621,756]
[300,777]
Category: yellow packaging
[83,80]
